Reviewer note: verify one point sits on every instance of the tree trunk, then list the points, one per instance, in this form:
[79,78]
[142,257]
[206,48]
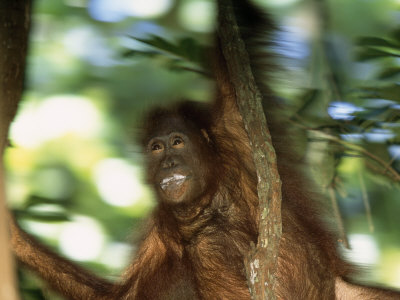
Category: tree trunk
[14,29]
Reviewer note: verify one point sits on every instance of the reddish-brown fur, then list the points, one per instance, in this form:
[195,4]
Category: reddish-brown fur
[196,251]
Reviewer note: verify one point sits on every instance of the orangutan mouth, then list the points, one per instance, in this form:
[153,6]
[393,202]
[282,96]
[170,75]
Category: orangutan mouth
[173,181]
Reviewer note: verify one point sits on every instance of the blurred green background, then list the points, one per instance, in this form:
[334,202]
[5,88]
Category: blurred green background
[75,173]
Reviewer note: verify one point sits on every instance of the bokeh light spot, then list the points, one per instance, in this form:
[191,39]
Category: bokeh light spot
[118,182]
[364,249]
[117,10]
[197,15]
[53,118]
[82,239]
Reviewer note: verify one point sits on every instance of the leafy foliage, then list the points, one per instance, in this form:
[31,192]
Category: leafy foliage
[186,54]
[374,47]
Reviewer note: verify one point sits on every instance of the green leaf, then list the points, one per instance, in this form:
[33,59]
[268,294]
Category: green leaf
[391,92]
[159,43]
[375,41]
[372,114]
[376,47]
[388,92]
[32,293]
[149,53]
[185,49]
[373,53]
[396,35]
[184,55]
[38,200]
[389,73]
[42,216]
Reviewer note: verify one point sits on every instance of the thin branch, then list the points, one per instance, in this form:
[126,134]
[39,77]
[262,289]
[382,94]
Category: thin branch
[366,202]
[386,165]
[338,218]
[390,163]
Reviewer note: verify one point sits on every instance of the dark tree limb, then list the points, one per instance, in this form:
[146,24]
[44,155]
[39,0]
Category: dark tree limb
[262,261]
[14,29]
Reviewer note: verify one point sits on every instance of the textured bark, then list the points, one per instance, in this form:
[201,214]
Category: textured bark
[262,260]
[14,28]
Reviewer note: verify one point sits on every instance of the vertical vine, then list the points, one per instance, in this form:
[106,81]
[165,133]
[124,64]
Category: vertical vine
[261,263]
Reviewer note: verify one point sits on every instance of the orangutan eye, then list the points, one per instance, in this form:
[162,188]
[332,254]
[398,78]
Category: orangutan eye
[177,142]
[157,147]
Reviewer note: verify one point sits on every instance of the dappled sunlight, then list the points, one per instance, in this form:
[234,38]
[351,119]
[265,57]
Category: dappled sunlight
[278,2]
[48,231]
[86,43]
[148,8]
[54,117]
[116,255]
[378,135]
[117,10]
[118,182]
[391,266]
[197,15]
[394,151]
[343,110]
[60,145]
[364,249]
[82,239]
